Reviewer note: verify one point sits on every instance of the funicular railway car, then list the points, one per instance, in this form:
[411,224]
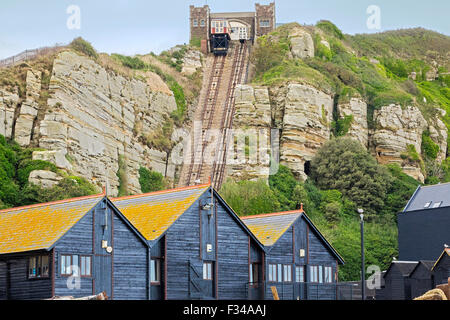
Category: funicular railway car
[220,36]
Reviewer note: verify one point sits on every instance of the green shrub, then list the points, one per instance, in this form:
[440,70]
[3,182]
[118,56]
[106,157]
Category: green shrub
[130,62]
[429,148]
[250,197]
[341,126]
[83,46]
[122,175]
[330,28]
[150,180]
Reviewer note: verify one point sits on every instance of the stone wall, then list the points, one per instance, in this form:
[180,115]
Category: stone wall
[198,14]
[265,12]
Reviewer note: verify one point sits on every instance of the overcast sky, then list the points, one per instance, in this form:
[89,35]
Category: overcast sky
[140,26]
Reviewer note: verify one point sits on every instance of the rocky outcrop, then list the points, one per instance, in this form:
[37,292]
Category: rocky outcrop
[252,119]
[92,117]
[303,114]
[301,43]
[356,108]
[192,61]
[9,102]
[306,126]
[396,128]
[44,178]
[29,109]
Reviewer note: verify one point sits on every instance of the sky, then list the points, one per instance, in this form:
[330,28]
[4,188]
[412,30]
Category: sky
[141,26]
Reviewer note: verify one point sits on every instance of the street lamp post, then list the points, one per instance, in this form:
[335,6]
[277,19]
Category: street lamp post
[363,275]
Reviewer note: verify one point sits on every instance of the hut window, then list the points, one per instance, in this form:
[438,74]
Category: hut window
[279,273]
[313,274]
[67,263]
[254,278]
[86,266]
[328,275]
[320,274]
[287,273]
[207,271]
[272,272]
[38,267]
[299,274]
[155,271]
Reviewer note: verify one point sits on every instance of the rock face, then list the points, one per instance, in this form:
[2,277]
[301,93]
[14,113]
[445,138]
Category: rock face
[192,61]
[395,129]
[92,117]
[253,119]
[356,108]
[28,110]
[303,115]
[306,126]
[302,44]
[44,178]
[9,102]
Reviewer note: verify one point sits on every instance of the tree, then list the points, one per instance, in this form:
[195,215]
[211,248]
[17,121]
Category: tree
[345,165]
[150,180]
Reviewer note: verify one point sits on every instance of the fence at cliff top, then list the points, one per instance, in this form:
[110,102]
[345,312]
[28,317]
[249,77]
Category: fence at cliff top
[28,54]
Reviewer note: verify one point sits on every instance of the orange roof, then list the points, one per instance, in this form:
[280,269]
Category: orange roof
[268,228]
[40,226]
[153,213]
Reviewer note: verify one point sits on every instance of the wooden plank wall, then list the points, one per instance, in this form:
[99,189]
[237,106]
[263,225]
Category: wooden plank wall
[130,263]
[287,252]
[22,288]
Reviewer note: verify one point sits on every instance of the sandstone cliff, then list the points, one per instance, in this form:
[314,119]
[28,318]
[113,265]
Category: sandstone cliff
[91,116]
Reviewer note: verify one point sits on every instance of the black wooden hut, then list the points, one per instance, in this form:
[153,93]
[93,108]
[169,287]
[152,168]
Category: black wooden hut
[424,223]
[75,247]
[200,249]
[299,261]
[421,278]
[441,269]
[397,282]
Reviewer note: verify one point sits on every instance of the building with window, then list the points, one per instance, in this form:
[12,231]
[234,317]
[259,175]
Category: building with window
[424,223]
[200,249]
[244,25]
[299,261]
[76,247]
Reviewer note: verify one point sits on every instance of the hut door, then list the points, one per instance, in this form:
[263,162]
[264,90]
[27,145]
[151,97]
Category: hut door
[198,287]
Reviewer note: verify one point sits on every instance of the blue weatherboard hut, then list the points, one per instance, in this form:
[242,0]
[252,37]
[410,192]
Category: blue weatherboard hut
[200,249]
[299,261]
[75,247]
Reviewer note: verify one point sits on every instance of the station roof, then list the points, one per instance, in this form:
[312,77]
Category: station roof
[153,213]
[39,226]
[231,15]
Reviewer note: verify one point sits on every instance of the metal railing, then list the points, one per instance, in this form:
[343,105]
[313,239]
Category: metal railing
[28,54]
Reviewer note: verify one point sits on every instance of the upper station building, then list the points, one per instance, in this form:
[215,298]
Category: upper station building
[247,25]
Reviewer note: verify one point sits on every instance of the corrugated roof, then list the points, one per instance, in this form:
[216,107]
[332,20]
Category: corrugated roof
[39,226]
[268,228]
[153,213]
[438,194]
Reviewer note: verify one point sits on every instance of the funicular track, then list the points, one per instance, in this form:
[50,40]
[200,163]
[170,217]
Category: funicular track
[218,168]
[216,113]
